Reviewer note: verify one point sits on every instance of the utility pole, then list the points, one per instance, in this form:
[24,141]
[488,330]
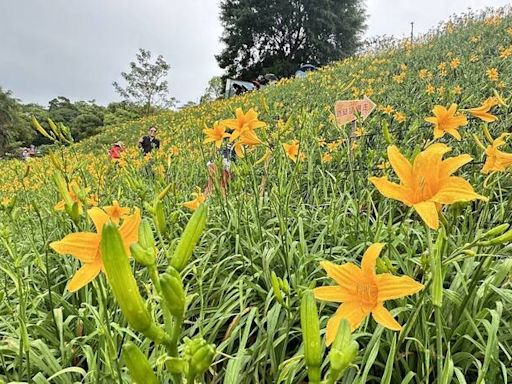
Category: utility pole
[412,31]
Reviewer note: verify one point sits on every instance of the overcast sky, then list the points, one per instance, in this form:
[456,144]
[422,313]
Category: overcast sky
[76,48]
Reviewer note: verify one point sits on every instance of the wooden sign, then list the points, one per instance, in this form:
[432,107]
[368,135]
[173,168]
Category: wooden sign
[345,110]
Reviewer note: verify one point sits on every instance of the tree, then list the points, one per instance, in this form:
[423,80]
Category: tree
[14,130]
[145,81]
[277,36]
[214,90]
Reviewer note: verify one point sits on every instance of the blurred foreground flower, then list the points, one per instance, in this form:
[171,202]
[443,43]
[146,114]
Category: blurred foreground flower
[446,121]
[85,246]
[427,183]
[363,292]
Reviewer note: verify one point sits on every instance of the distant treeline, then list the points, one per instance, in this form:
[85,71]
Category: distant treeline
[83,118]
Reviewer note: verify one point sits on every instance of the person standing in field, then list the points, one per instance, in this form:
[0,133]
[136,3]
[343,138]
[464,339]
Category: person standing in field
[149,142]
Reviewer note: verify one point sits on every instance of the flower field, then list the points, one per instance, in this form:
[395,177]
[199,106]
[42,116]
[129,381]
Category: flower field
[373,253]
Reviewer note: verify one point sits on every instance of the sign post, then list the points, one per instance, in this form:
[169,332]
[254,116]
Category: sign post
[345,111]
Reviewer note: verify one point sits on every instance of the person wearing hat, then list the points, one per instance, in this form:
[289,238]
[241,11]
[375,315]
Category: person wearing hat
[115,150]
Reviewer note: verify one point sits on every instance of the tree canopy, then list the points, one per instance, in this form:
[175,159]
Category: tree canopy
[145,82]
[277,36]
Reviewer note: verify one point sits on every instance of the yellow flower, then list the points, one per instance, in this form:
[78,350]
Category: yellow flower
[215,134]
[428,182]
[473,58]
[116,212]
[326,157]
[384,165]
[292,150]
[400,117]
[482,112]
[199,199]
[446,121]
[76,194]
[85,246]
[388,110]
[497,161]
[454,63]
[248,138]
[362,292]
[430,89]
[492,74]
[243,122]
[457,90]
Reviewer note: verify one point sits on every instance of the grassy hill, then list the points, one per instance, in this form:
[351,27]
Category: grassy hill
[278,221]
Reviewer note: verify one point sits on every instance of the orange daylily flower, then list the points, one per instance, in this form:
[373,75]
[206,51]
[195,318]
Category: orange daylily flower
[363,292]
[215,134]
[85,246]
[75,193]
[497,161]
[247,138]
[482,112]
[243,122]
[199,199]
[446,121]
[427,183]
[292,150]
[116,212]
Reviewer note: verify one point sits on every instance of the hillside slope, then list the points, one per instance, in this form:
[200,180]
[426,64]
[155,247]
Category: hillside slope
[285,217]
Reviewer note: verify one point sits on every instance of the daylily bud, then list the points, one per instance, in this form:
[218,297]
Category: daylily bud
[469,252]
[138,365]
[159,216]
[124,286]
[505,238]
[437,269]
[144,252]
[59,181]
[142,255]
[189,238]
[386,133]
[165,191]
[173,292]
[199,355]
[73,211]
[40,129]
[343,351]
[310,326]
[276,288]
[175,365]
[495,231]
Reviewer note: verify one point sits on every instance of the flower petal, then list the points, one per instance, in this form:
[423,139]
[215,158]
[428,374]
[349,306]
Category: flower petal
[84,276]
[428,212]
[455,189]
[384,318]
[346,275]
[351,311]
[391,190]
[400,164]
[335,294]
[130,230]
[393,287]
[99,217]
[450,165]
[82,245]
[370,257]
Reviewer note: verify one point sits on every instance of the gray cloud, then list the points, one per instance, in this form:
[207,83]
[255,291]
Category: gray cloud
[77,48]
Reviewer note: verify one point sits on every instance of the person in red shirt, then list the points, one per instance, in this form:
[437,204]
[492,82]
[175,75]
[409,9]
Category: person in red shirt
[115,151]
